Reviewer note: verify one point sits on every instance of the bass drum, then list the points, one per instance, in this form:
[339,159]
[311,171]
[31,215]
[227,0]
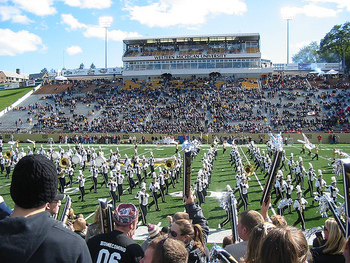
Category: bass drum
[99,161]
[77,158]
[56,155]
[66,155]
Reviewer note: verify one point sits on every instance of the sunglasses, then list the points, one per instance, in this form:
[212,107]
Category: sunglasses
[174,234]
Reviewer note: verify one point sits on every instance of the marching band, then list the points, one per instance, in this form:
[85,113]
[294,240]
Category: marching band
[139,169]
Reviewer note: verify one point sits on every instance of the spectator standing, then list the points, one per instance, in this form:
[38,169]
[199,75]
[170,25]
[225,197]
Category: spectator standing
[333,248]
[165,250]
[247,221]
[118,244]
[30,234]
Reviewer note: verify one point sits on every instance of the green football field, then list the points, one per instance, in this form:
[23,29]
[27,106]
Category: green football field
[222,175]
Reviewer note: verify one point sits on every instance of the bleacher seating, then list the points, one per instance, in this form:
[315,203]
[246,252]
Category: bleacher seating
[129,84]
[248,85]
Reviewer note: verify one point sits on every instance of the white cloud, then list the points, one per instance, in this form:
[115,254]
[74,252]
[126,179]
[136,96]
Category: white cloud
[312,9]
[11,43]
[115,35]
[72,22]
[14,14]
[37,7]
[165,13]
[341,4]
[118,35]
[74,50]
[98,4]
[96,30]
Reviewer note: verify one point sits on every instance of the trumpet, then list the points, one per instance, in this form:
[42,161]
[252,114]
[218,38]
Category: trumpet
[8,154]
[248,168]
[169,164]
[63,162]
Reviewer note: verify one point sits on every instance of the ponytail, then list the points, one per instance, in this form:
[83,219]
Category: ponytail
[198,236]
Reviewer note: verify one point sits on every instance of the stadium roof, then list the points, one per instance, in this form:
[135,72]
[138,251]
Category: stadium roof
[14,74]
[192,38]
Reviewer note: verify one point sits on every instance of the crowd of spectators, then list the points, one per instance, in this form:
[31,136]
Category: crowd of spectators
[196,105]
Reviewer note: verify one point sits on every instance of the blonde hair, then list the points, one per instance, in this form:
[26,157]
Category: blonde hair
[279,220]
[256,237]
[79,224]
[336,241]
[284,245]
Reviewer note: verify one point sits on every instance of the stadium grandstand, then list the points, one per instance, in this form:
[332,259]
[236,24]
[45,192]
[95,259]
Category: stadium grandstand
[203,56]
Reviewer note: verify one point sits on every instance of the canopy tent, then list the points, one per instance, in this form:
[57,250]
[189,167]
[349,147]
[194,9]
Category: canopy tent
[319,72]
[61,78]
[332,72]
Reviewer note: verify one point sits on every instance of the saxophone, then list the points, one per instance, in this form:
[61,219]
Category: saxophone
[65,212]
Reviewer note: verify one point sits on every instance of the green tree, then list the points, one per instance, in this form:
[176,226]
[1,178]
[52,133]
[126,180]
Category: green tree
[337,41]
[81,66]
[308,54]
[44,71]
[92,66]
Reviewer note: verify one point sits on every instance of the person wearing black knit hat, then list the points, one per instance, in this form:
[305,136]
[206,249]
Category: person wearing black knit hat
[29,234]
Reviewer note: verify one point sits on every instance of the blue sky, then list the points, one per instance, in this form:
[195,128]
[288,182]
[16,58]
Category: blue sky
[35,34]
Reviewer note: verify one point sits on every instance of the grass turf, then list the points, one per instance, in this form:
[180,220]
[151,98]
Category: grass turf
[9,96]
[222,175]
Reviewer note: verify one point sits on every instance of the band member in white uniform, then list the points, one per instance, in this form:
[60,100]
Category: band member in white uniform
[151,163]
[70,175]
[299,206]
[94,174]
[81,181]
[162,186]
[112,186]
[244,193]
[143,202]
[333,189]
[120,179]
[288,189]
[154,188]
[61,173]
[310,180]
[104,170]
[130,174]
[320,184]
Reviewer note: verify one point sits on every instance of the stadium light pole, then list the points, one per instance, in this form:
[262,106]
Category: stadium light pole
[288,19]
[105,22]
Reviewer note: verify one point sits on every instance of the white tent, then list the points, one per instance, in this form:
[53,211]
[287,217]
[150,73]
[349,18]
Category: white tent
[332,72]
[319,72]
[61,78]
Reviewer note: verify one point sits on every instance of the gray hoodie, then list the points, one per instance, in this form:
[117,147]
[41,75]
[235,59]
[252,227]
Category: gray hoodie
[39,238]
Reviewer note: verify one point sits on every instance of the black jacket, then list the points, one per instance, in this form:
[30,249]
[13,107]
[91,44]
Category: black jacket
[40,238]
[196,254]
[319,257]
